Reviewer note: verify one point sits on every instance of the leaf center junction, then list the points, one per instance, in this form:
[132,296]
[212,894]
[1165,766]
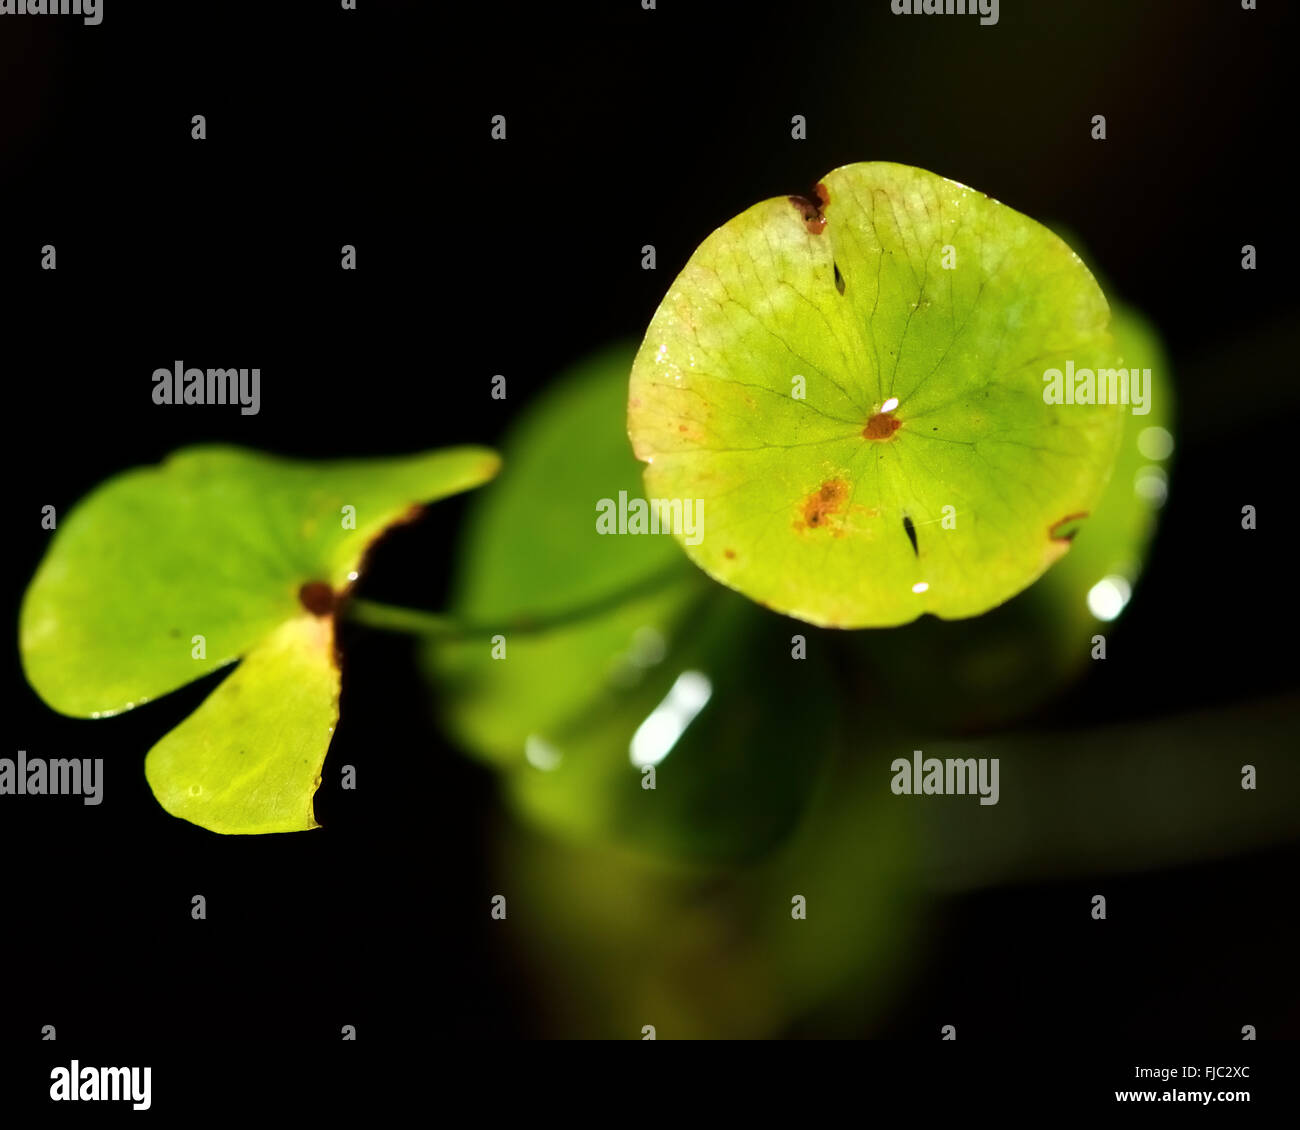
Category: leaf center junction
[882,426]
[317,597]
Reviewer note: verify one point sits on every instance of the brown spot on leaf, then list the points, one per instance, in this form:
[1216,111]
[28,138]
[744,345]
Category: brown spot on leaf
[1052,530]
[822,505]
[1058,540]
[729,554]
[317,597]
[681,427]
[882,426]
[812,211]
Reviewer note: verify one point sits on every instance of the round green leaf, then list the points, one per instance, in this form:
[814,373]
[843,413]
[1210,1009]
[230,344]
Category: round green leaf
[833,379]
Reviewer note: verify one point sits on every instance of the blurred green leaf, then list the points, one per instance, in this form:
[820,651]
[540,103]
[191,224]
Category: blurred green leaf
[613,643]
[923,399]
[737,732]
[634,940]
[583,614]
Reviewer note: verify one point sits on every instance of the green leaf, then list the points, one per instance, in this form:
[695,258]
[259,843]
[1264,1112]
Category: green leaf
[851,303]
[219,543]
[249,759]
[599,631]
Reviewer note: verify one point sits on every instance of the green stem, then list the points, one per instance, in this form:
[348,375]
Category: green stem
[416,621]
[395,618]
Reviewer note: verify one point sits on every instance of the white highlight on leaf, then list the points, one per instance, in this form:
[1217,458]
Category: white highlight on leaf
[1151,484]
[1107,598]
[656,736]
[1155,443]
[648,647]
[540,754]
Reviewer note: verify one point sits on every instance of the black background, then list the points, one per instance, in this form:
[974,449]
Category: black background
[477,258]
